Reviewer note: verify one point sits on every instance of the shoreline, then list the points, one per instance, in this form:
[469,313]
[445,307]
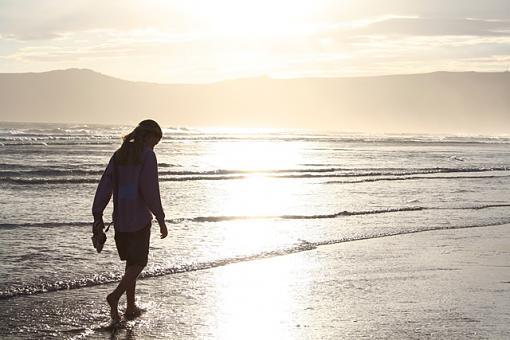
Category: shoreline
[437,284]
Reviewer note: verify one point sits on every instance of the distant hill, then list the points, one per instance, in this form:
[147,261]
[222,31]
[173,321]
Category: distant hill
[440,102]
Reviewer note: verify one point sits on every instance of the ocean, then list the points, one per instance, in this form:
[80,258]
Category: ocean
[230,196]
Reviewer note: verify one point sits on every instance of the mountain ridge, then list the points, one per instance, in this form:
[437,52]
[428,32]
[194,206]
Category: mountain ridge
[436,102]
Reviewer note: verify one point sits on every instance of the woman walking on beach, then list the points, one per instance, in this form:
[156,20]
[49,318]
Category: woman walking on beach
[132,177]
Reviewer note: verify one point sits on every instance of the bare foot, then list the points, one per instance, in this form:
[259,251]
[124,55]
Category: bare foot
[133,312]
[114,304]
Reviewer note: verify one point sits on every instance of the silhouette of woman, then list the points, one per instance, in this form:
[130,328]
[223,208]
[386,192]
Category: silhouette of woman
[132,177]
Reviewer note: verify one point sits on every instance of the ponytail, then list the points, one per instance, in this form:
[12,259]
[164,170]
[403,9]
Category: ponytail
[130,152]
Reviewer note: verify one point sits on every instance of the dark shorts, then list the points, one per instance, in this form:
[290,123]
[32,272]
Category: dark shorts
[134,247]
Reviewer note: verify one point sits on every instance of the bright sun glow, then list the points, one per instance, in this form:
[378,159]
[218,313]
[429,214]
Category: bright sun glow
[259,17]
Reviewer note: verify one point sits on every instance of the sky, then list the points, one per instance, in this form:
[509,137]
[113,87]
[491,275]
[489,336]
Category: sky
[202,41]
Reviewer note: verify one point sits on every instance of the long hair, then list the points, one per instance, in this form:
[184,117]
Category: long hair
[130,152]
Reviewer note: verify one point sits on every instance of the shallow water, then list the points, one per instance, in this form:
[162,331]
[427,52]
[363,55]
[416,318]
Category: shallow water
[233,196]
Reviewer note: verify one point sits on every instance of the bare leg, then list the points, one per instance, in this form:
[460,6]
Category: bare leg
[131,308]
[130,296]
[128,281]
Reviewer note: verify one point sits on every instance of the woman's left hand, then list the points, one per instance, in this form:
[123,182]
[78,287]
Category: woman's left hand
[163,230]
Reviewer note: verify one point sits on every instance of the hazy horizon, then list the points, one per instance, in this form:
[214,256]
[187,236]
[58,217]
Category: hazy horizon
[302,77]
[441,102]
[256,130]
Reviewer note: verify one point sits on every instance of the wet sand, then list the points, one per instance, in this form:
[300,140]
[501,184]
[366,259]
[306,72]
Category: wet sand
[450,284]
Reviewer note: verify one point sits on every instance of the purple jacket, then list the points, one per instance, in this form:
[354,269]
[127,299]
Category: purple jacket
[138,193]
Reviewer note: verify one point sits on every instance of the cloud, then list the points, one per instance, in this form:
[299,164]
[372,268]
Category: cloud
[487,9]
[439,26]
[48,19]
[102,44]
[427,39]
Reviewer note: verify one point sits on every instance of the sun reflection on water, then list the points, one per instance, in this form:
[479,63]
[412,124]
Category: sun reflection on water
[254,155]
[257,301]
[257,194]
[254,301]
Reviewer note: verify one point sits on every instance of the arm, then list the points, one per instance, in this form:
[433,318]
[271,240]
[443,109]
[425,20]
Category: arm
[103,193]
[149,188]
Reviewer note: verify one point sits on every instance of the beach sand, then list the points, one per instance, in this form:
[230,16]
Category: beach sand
[449,284]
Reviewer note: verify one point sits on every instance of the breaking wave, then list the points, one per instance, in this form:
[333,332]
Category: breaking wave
[216,219]
[301,246]
[67,176]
